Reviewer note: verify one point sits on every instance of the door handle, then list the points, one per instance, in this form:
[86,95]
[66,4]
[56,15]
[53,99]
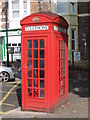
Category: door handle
[25,65]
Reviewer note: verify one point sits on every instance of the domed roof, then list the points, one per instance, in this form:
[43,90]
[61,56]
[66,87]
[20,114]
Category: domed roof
[43,17]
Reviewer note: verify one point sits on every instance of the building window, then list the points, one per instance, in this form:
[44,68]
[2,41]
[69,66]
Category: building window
[24,8]
[72,7]
[73,39]
[15,9]
[61,7]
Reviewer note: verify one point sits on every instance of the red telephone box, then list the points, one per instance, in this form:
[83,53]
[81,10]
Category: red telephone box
[44,53]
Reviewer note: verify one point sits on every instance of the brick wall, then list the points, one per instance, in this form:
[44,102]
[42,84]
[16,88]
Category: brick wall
[83,19]
[3,18]
[45,7]
[0,14]
[83,7]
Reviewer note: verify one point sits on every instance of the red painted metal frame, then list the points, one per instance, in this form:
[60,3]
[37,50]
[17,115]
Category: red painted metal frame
[51,38]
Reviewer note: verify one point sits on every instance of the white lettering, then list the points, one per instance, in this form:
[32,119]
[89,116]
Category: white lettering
[59,29]
[32,28]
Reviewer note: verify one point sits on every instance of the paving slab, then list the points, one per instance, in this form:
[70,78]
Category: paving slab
[76,107]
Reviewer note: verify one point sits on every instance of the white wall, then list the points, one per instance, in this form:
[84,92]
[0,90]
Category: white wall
[14,23]
[11,40]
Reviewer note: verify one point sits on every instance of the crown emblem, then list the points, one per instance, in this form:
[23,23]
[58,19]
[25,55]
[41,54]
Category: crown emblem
[35,19]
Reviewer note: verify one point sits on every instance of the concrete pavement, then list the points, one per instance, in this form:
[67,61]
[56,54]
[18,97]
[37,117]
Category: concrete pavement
[76,107]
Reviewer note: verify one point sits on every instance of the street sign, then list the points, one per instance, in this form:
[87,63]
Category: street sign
[76,56]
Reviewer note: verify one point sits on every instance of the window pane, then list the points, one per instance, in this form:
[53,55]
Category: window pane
[30,63]
[41,73]
[30,91]
[64,53]
[59,63]
[29,83]
[29,43]
[41,43]
[35,73]
[15,4]
[35,83]
[29,73]
[41,63]
[29,52]
[59,44]
[73,34]
[15,14]
[73,45]
[35,63]
[59,72]
[35,44]
[41,83]
[42,93]
[25,13]
[41,53]
[59,53]
[59,82]
[35,53]
[24,5]
[72,5]
[61,7]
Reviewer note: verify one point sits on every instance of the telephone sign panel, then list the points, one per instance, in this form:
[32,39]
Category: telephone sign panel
[44,54]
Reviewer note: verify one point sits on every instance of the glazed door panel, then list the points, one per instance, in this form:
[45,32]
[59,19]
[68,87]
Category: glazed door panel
[35,68]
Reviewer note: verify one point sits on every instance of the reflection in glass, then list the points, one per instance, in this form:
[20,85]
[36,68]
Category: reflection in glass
[41,53]
[59,91]
[29,52]
[41,73]
[29,83]
[59,82]
[42,93]
[30,91]
[35,73]
[59,63]
[64,53]
[35,52]
[41,83]
[35,92]
[59,72]
[29,73]
[41,43]
[29,43]
[35,63]
[35,44]
[30,63]
[59,44]
[41,63]
[35,83]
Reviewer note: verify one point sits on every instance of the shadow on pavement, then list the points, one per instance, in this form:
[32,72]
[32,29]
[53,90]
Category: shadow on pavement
[18,91]
[78,85]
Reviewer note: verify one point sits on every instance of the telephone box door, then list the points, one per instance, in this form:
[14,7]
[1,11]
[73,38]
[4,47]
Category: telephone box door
[35,74]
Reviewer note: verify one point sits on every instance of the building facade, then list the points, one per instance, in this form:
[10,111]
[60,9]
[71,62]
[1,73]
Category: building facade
[83,31]
[69,11]
[18,9]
